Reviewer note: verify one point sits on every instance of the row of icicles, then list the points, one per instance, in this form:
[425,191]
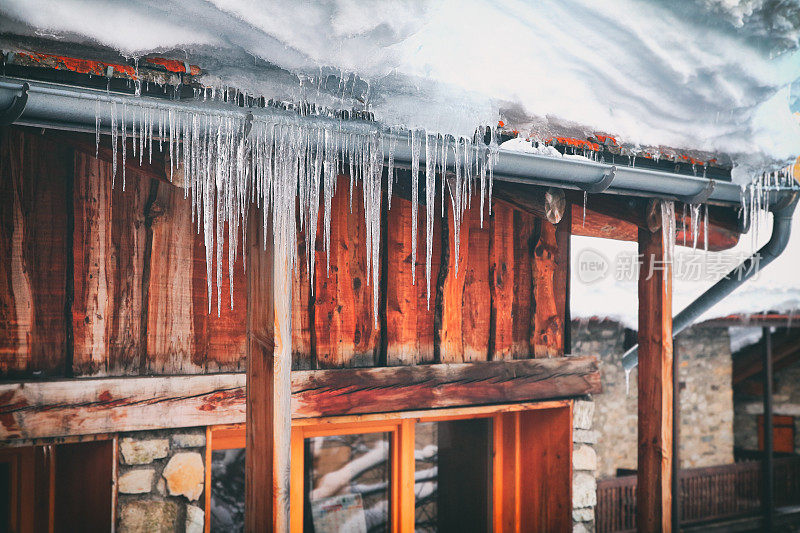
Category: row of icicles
[230,161]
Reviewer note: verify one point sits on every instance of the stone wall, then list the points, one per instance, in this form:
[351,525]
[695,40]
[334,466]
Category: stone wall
[706,396]
[584,466]
[786,401]
[161,481]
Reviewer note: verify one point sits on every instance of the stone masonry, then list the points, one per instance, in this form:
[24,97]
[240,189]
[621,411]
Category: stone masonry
[584,466]
[161,481]
[706,397]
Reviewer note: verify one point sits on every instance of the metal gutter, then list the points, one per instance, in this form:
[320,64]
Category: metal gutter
[781,231]
[57,106]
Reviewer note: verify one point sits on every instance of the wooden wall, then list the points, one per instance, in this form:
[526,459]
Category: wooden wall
[95,280]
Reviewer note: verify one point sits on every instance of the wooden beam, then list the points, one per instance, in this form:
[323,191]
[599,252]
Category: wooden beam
[610,217]
[368,390]
[46,409]
[653,509]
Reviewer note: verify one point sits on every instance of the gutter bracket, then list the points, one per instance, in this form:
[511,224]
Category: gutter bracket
[702,196]
[603,183]
[10,114]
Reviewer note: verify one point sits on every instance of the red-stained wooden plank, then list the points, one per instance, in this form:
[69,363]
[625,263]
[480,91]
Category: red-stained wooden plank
[409,316]
[108,251]
[523,304]
[220,336]
[502,280]
[345,329]
[302,346]
[465,323]
[34,178]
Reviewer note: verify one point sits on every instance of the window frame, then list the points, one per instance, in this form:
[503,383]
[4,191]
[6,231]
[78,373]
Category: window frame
[401,427]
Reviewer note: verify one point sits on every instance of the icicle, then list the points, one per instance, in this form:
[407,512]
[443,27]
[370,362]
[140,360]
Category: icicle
[415,149]
[667,234]
[124,144]
[430,202]
[96,129]
[705,230]
[628,382]
[113,142]
[585,194]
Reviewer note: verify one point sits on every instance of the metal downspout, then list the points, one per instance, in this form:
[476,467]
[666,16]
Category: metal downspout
[781,230]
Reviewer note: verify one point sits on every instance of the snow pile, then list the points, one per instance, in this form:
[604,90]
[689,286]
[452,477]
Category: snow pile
[705,74]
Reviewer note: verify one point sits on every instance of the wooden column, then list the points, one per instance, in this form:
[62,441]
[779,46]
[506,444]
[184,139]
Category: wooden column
[653,511]
[268,384]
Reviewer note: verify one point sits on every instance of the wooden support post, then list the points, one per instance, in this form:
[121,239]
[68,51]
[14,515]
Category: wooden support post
[653,508]
[768,492]
[268,384]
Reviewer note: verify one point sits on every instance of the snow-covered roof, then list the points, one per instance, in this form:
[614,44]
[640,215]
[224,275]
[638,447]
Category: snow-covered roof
[703,74]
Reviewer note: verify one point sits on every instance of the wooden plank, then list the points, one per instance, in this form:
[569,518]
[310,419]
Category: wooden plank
[34,222]
[346,332]
[523,305]
[653,511]
[108,252]
[86,406]
[547,338]
[409,317]
[444,385]
[302,308]
[102,405]
[170,306]
[267,460]
[502,282]
[466,317]
[220,339]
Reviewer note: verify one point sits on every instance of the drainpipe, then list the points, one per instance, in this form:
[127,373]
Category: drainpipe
[781,230]
[50,105]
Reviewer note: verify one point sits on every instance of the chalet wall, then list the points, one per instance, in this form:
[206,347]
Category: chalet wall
[100,281]
[161,481]
[786,398]
[706,397]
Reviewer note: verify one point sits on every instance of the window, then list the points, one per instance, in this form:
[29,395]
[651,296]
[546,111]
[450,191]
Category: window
[413,472]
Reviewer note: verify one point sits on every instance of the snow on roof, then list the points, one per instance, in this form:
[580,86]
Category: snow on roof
[703,74]
[614,294]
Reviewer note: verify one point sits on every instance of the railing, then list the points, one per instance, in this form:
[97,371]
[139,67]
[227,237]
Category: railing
[707,494]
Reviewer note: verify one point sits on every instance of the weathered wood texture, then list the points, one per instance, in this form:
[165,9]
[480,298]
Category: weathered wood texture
[133,293]
[35,178]
[444,385]
[653,507]
[346,333]
[268,375]
[102,405]
[108,254]
[409,311]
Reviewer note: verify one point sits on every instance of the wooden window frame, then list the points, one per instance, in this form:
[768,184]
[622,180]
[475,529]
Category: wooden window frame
[506,505]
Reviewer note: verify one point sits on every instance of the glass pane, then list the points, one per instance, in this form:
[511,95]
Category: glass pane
[347,483]
[227,490]
[452,475]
